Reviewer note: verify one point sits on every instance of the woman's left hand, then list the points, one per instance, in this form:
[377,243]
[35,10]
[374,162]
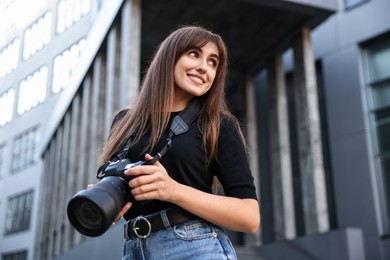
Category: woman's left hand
[151,182]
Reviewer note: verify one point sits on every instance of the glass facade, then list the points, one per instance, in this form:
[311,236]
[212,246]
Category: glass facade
[9,57]
[32,90]
[70,12]
[6,106]
[65,65]
[37,36]
[377,64]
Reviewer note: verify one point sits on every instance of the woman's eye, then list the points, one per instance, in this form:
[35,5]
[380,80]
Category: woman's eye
[213,63]
[193,54]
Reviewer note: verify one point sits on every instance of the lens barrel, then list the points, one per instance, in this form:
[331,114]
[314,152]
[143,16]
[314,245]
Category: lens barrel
[92,211]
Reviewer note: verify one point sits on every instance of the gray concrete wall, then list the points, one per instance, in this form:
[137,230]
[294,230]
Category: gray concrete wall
[336,44]
[346,244]
[107,246]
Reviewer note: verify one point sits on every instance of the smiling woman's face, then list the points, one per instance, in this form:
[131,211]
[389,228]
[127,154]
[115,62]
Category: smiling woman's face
[194,73]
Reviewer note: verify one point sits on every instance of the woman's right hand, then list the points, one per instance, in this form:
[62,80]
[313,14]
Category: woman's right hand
[125,208]
[123,211]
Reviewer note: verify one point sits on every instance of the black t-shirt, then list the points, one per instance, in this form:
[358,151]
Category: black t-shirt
[185,163]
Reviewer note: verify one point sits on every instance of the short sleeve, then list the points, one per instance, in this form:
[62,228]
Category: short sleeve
[232,163]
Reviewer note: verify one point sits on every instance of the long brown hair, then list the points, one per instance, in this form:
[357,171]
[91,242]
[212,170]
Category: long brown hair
[151,110]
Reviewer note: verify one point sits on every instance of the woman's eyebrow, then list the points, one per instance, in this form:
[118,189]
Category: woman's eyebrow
[214,55]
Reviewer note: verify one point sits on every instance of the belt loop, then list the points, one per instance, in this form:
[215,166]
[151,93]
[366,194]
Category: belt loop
[165,220]
[126,230]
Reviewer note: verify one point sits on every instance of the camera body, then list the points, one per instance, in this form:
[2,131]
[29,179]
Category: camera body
[92,211]
[117,168]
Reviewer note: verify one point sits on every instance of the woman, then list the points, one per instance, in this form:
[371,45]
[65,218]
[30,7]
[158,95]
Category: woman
[174,203]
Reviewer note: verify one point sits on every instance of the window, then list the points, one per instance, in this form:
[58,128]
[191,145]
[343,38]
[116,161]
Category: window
[70,12]
[9,57]
[32,90]
[6,106]
[2,155]
[20,255]
[37,36]
[18,212]
[24,149]
[64,66]
[377,74]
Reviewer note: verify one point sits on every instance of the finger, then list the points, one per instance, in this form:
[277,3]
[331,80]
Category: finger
[122,212]
[89,186]
[142,180]
[145,192]
[140,170]
[148,157]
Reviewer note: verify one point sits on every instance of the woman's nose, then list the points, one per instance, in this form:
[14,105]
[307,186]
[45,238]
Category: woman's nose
[201,67]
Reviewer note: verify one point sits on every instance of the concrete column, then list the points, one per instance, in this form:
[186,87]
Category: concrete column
[251,137]
[309,136]
[44,221]
[55,245]
[93,121]
[72,166]
[62,219]
[281,171]
[82,145]
[109,103]
[131,48]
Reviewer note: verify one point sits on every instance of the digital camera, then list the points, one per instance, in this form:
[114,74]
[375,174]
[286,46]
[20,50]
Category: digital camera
[92,211]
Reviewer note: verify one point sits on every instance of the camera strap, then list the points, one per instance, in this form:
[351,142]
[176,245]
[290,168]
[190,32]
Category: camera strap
[180,125]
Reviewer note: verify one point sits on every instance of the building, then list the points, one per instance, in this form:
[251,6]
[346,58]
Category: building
[308,79]
[38,55]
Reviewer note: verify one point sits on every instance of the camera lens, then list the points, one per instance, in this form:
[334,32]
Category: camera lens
[91,212]
[88,214]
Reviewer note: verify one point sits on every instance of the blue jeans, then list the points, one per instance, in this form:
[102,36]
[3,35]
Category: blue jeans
[195,239]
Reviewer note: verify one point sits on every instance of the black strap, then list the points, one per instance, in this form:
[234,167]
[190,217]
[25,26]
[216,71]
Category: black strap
[181,122]
[180,125]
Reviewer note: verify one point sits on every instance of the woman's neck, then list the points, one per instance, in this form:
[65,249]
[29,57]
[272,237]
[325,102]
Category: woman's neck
[179,105]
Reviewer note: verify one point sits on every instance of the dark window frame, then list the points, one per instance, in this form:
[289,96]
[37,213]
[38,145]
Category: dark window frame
[17,255]
[24,149]
[19,212]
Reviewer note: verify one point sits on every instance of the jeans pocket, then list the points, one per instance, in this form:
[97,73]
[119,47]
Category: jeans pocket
[196,229]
